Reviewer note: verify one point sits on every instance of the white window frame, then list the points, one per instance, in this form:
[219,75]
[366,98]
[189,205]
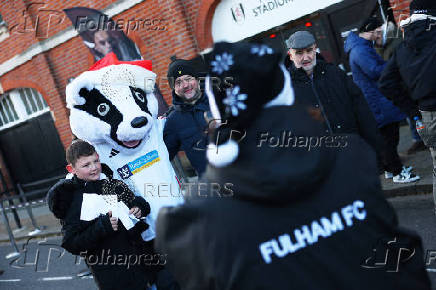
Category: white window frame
[4,31]
[20,108]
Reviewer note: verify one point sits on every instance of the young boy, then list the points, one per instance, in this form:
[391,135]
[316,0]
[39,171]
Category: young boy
[115,255]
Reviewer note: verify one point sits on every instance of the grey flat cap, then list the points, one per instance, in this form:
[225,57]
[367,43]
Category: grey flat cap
[300,40]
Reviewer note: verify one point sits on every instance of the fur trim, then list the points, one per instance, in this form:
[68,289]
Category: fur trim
[415,17]
[286,97]
[224,154]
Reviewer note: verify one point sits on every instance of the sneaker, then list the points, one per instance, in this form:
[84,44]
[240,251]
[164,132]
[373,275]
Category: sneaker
[405,177]
[34,232]
[407,169]
[18,230]
[417,146]
[388,175]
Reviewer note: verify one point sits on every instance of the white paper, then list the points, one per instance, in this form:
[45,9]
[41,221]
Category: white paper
[93,205]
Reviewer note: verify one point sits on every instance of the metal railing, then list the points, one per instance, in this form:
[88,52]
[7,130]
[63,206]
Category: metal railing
[25,192]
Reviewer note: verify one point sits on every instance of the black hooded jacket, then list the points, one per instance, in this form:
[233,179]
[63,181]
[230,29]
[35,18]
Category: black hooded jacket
[336,98]
[414,64]
[97,242]
[185,130]
[289,217]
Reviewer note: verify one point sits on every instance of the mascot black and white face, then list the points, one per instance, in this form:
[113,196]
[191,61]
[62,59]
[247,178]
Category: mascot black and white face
[114,105]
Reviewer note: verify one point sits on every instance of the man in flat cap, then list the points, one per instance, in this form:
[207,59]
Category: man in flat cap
[327,92]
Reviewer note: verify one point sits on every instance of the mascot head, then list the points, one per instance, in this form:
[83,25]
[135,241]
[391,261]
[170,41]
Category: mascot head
[113,102]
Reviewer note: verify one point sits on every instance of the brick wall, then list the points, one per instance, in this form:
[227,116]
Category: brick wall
[187,31]
[50,71]
[400,9]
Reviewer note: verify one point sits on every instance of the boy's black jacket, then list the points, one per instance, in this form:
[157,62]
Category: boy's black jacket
[96,241]
[215,239]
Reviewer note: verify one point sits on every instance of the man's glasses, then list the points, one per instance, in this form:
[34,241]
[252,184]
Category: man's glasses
[179,82]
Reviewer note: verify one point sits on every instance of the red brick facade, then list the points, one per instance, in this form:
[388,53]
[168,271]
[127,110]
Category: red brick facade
[400,9]
[49,72]
[187,32]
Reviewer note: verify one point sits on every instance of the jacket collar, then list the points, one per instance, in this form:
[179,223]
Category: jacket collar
[299,75]
[202,104]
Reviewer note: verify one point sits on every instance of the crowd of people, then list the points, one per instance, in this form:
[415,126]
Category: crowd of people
[296,218]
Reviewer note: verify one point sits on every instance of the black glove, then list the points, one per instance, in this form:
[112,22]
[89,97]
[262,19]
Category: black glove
[135,232]
[142,205]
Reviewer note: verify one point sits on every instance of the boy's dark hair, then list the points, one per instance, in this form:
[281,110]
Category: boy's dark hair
[77,149]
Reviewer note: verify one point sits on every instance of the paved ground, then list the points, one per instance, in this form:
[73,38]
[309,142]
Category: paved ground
[43,265]
[413,205]
[422,163]
[415,212]
[47,266]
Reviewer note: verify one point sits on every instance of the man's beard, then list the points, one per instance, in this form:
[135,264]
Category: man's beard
[194,98]
[311,67]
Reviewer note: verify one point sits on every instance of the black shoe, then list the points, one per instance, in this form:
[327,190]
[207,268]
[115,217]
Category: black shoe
[1,272]
[417,146]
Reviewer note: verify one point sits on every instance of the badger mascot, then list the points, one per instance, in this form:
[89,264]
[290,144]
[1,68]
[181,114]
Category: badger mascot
[113,108]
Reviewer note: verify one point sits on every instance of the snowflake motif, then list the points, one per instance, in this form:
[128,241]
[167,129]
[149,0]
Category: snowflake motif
[222,63]
[235,101]
[261,50]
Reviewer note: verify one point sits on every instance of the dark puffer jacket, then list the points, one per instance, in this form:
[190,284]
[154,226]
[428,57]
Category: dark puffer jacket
[367,67]
[414,64]
[185,130]
[334,95]
[293,218]
[97,242]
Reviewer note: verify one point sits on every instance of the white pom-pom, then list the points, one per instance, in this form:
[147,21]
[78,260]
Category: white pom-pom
[224,154]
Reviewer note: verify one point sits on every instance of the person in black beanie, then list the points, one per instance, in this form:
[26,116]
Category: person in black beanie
[186,125]
[367,67]
[295,210]
[413,63]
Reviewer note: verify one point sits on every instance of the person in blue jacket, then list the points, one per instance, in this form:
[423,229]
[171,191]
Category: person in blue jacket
[185,128]
[367,67]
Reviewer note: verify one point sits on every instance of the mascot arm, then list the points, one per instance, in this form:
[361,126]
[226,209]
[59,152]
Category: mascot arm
[142,205]
[171,140]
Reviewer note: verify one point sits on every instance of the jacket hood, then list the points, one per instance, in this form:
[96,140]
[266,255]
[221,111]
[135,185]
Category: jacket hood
[417,35]
[280,159]
[354,40]
[60,195]
[180,105]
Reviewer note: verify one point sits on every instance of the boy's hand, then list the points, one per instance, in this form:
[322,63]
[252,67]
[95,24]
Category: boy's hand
[135,211]
[114,221]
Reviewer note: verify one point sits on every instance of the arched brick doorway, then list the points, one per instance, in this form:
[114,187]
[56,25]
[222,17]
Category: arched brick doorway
[203,26]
